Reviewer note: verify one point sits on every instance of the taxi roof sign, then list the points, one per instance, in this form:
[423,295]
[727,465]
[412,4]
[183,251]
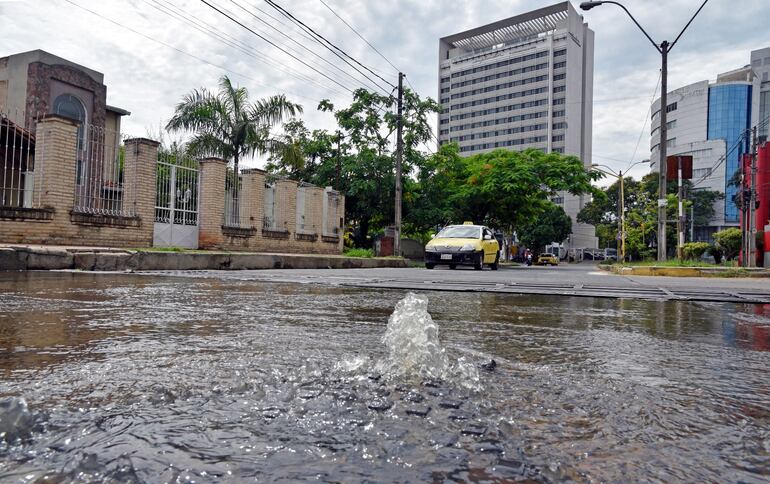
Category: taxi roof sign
[467,223]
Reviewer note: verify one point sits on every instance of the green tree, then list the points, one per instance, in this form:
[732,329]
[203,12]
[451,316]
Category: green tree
[511,189]
[360,153]
[551,225]
[728,241]
[226,124]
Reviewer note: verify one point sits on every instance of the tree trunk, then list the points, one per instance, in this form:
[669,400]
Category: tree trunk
[363,231]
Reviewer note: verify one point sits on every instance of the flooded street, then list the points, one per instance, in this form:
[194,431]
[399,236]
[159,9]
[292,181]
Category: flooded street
[147,378]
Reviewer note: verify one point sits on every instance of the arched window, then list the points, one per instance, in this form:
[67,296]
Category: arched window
[71,107]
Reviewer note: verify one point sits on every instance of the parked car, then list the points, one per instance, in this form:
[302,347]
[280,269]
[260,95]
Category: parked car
[466,244]
[547,260]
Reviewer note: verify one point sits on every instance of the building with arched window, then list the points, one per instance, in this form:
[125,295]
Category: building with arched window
[35,83]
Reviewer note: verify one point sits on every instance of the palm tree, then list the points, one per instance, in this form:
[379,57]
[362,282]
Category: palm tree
[225,124]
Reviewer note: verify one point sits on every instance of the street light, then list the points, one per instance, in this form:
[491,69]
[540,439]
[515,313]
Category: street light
[622,200]
[664,48]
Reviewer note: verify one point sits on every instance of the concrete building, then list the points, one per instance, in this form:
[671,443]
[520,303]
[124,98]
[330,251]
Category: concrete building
[760,63]
[709,120]
[523,82]
[35,83]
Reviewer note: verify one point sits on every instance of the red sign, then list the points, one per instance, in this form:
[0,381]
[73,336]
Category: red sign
[672,166]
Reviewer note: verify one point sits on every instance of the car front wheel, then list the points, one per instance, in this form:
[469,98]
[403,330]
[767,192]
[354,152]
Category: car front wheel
[428,265]
[479,264]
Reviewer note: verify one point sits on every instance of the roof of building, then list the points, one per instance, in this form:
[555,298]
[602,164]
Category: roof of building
[527,24]
[120,111]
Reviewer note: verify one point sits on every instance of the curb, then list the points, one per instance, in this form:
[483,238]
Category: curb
[27,258]
[686,271]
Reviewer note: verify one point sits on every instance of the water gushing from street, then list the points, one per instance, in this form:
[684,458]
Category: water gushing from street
[414,350]
[107,378]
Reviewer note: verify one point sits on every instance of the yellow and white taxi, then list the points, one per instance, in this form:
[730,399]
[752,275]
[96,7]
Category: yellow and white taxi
[467,244]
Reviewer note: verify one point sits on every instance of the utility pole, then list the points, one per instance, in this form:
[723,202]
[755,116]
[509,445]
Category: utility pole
[399,157]
[339,156]
[622,218]
[662,150]
[680,219]
[692,223]
[752,202]
[744,215]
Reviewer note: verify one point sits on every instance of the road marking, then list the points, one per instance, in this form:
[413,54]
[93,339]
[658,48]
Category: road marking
[602,273]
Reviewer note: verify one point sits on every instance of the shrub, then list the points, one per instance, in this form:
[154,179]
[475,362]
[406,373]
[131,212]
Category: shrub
[695,250]
[356,252]
[714,251]
[729,242]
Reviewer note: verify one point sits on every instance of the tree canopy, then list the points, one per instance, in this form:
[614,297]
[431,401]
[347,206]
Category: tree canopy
[226,124]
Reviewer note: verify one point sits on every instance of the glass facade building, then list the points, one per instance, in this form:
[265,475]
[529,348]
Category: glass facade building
[729,119]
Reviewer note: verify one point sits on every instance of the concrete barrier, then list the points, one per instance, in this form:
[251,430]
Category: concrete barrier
[30,258]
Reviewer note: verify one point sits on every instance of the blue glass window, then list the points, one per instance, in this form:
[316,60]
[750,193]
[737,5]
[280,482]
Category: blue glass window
[729,117]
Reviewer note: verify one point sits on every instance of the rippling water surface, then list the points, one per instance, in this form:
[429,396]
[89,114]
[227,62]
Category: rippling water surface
[140,378]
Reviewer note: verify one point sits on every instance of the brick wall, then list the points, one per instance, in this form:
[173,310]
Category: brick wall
[55,222]
[252,236]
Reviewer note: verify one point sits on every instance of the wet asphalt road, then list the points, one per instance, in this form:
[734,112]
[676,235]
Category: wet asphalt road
[567,279]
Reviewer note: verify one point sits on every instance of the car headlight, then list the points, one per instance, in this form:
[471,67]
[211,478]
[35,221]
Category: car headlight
[430,249]
[467,248]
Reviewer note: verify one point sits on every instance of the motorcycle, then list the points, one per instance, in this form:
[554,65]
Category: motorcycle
[529,260]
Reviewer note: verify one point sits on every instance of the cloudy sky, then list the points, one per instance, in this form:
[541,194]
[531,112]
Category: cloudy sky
[151,53]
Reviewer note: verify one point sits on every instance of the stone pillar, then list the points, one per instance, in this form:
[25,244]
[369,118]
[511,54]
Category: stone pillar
[314,198]
[56,165]
[286,202]
[211,205]
[341,221]
[253,193]
[139,186]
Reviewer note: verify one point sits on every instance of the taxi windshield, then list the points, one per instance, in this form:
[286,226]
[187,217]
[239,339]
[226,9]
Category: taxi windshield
[460,232]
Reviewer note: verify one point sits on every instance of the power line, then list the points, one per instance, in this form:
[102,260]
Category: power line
[329,45]
[200,59]
[206,28]
[360,36]
[646,117]
[272,43]
[367,42]
[294,41]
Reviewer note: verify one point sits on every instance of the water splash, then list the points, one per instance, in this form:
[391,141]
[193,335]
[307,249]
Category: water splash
[414,348]
[16,421]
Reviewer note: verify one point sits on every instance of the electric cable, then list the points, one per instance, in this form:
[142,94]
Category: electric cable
[198,58]
[329,45]
[233,19]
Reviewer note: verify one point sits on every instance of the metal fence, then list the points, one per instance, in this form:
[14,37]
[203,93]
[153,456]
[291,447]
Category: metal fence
[332,202]
[176,188]
[238,204]
[20,179]
[105,183]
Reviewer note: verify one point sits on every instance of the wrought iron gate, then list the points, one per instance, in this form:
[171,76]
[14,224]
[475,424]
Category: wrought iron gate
[176,202]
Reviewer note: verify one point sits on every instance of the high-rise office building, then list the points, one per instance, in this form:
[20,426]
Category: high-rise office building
[760,64]
[523,82]
[711,121]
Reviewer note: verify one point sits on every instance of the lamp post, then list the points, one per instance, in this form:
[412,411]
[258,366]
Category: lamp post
[664,48]
[621,200]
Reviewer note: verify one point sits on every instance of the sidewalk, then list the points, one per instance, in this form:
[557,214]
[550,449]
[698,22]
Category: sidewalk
[39,257]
